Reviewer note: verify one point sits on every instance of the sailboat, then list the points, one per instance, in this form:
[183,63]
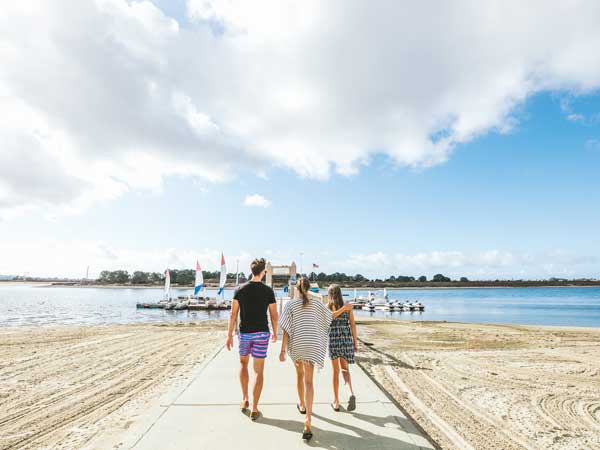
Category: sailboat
[167,283]
[167,303]
[222,279]
[199,283]
[198,287]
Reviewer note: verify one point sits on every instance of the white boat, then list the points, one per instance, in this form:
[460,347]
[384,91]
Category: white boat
[417,306]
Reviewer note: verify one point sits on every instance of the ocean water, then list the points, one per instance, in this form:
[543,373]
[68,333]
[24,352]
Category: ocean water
[39,306]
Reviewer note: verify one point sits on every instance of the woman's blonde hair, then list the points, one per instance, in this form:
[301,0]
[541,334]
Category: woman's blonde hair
[336,301]
[303,287]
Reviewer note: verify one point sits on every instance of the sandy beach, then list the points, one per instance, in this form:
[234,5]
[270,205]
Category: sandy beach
[62,386]
[491,386]
[468,386]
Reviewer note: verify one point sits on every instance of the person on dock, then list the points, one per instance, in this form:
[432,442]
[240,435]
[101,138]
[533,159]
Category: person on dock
[305,323]
[251,301]
[343,342]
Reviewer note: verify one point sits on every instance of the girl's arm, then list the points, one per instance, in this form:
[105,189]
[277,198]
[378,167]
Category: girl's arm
[346,308]
[353,329]
[284,344]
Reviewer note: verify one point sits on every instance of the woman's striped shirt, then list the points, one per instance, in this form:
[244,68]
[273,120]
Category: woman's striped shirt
[308,330]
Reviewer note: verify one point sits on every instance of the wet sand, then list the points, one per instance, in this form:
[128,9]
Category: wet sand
[62,386]
[491,386]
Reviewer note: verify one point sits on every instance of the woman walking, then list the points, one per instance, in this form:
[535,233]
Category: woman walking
[305,324]
[343,342]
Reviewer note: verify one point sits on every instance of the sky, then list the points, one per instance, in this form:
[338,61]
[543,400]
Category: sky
[381,138]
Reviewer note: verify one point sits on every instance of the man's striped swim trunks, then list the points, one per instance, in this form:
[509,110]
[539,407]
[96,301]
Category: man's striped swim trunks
[254,344]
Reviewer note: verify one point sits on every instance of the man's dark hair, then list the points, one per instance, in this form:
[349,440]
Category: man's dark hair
[257,266]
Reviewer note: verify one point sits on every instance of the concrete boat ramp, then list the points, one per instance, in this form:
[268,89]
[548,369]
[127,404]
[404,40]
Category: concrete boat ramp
[205,414]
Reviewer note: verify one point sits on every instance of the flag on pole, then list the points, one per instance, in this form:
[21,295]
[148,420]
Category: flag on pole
[315,266]
[199,284]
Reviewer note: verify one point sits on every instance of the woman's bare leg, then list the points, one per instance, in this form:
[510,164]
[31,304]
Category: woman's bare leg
[309,391]
[336,381]
[300,383]
[346,375]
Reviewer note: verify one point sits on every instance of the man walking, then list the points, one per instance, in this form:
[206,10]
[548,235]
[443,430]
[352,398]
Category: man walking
[251,301]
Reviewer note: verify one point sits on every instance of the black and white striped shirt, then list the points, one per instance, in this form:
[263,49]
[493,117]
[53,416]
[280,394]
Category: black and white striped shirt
[308,330]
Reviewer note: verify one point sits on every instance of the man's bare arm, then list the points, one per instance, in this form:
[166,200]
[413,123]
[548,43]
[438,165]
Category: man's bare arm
[235,308]
[274,320]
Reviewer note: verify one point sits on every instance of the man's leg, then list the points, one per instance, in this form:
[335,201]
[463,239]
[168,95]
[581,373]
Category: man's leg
[244,376]
[259,367]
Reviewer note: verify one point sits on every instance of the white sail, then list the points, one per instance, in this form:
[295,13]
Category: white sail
[199,283]
[223,278]
[167,283]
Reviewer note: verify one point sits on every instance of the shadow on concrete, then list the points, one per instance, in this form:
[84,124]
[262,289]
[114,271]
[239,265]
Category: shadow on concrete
[379,421]
[334,440]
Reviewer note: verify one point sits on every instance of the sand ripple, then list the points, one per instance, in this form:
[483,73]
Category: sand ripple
[491,386]
[61,386]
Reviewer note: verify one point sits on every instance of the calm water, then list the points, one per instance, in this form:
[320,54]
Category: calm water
[30,306]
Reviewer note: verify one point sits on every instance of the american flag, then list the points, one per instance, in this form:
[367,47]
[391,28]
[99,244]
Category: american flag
[315,266]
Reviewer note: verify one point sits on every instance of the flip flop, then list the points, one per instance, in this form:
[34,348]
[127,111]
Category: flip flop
[244,405]
[306,435]
[334,408]
[351,403]
[299,410]
[254,415]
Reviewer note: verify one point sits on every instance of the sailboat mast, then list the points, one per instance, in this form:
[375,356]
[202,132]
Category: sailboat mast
[237,272]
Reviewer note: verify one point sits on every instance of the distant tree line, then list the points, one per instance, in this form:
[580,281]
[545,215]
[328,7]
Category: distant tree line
[182,277]
[338,277]
[185,277]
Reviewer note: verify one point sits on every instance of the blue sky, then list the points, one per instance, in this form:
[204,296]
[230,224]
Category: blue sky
[532,191]
[511,193]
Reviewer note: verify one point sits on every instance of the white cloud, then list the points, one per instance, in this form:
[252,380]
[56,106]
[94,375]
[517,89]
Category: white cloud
[490,264]
[575,117]
[592,144]
[257,200]
[108,96]
[48,257]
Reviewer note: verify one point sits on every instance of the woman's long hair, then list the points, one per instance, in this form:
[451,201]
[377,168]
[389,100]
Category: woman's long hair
[336,300]
[303,286]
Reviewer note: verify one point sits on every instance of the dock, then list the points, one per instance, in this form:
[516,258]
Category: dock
[204,414]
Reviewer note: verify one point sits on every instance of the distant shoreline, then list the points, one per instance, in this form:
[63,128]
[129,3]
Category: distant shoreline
[425,286]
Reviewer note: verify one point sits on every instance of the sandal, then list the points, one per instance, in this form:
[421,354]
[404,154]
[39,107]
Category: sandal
[244,405]
[352,403]
[334,408]
[254,415]
[299,410]
[306,434]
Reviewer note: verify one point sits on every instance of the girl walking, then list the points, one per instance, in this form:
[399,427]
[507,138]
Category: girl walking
[305,323]
[343,342]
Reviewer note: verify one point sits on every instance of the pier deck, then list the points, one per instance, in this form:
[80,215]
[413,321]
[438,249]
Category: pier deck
[205,414]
